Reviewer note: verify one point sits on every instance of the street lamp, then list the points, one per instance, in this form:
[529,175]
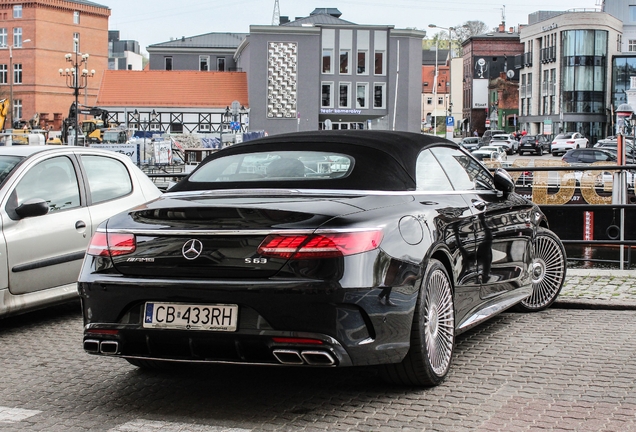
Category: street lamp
[449,112]
[225,116]
[11,80]
[76,79]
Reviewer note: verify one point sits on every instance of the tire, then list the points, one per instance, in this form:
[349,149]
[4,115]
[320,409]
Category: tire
[555,154]
[540,151]
[432,334]
[547,271]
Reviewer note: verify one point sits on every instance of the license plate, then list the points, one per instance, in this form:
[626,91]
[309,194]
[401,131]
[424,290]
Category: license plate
[216,317]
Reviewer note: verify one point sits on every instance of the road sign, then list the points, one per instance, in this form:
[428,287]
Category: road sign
[450,121]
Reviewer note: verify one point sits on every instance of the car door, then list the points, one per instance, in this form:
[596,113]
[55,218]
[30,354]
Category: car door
[45,251]
[503,232]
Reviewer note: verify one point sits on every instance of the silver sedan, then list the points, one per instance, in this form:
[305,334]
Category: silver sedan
[52,198]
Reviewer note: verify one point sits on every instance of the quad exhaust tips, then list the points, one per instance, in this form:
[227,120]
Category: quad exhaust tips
[107,347]
[306,357]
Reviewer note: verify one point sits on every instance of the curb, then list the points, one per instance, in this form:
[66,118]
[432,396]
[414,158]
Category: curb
[600,273]
[566,303]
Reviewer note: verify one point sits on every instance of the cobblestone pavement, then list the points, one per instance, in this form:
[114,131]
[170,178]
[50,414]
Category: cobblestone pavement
[599,289]
[561,369]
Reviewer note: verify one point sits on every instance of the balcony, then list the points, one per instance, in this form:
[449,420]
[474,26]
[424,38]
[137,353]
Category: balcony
[548,55]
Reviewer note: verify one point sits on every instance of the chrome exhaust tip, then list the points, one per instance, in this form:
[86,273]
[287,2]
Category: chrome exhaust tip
[318,358]
[109,347]
[91,346]
[288,357]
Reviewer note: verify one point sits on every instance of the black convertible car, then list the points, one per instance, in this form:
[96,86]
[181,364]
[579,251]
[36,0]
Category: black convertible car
[331,248]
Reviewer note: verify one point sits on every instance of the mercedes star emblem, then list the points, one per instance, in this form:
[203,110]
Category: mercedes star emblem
[192,249]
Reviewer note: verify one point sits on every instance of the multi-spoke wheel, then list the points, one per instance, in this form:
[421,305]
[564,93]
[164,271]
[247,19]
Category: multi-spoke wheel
[548,271]
[432,334]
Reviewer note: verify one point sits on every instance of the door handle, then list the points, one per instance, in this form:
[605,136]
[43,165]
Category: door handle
[479,205]
[80,224]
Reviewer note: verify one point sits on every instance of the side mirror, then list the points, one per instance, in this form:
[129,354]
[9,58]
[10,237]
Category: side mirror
[503,181]
[32,207]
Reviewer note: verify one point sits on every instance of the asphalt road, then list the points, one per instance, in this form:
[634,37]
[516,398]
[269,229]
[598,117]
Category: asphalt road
[561,369]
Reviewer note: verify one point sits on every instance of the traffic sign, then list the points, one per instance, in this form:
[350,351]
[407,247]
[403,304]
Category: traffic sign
[450,121]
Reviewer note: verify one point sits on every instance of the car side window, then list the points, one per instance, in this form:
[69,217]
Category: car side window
[53,180]
[464,172]
[429,174]
[108,178]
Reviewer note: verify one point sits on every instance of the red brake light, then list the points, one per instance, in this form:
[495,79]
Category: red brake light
[326,245]
[111,244]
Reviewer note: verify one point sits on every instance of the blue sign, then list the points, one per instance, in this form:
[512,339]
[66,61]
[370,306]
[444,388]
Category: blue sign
[450,121]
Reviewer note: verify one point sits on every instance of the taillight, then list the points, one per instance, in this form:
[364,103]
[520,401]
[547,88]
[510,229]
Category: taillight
[111,244]
[570,142]
[325,245]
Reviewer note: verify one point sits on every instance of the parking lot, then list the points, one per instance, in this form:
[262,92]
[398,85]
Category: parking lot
[562,369]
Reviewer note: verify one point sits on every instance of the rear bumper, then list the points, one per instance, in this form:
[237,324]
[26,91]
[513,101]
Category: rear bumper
[348,326]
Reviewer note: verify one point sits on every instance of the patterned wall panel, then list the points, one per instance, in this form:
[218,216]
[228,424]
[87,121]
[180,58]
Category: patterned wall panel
[282,79]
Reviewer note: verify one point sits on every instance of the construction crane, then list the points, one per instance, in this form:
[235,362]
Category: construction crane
[276,14]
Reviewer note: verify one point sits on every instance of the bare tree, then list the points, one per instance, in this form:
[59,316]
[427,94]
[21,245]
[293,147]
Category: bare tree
[468,29]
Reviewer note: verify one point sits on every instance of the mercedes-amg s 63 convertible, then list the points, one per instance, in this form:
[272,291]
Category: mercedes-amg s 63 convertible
[324,249]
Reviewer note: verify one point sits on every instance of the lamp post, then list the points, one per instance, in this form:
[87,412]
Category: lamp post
[624,121]
[76,79]
[225,116]
[449,112]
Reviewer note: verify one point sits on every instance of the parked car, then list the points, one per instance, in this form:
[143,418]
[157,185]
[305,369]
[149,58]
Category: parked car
[588,156]
[612,145]
[536,144]
[488,134]
[493,153]
[471,143]
[52,200]
[510,145]
[567,141]
[377,264]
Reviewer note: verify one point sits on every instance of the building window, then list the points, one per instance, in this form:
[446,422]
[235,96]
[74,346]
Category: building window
[3,37]
[362,62]
[440,100]
[17,109]
[204,63]
[220,64]
[327,95]
[76,17]
[205,128]
[379,63]
[326,61]
[4,77]
[378,95]
[344,61]
[632,13]
[17,11]
[345,89]
[631,46]
[17,73]
[167,63]
[429,101]
[362,95]
[17,37]
[76,42]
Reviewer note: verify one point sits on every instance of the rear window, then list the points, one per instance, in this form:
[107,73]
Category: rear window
[274,166]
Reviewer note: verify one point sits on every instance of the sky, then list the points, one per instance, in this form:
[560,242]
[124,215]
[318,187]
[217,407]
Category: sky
[154,21]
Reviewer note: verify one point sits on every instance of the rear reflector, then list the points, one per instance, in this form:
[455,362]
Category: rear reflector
[314,246]
[111,244]
[292,340]
[102,331]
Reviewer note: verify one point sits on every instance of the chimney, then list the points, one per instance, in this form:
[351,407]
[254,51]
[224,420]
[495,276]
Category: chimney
[511,30]
[502,28]
[502,75]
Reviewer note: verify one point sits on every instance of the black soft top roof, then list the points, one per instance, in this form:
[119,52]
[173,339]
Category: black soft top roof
[385,160]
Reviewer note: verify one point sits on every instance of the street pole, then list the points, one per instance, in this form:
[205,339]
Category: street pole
[11,87]
[76,80]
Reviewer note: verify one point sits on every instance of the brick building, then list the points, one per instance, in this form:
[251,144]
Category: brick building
[35,36]
[485,58]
